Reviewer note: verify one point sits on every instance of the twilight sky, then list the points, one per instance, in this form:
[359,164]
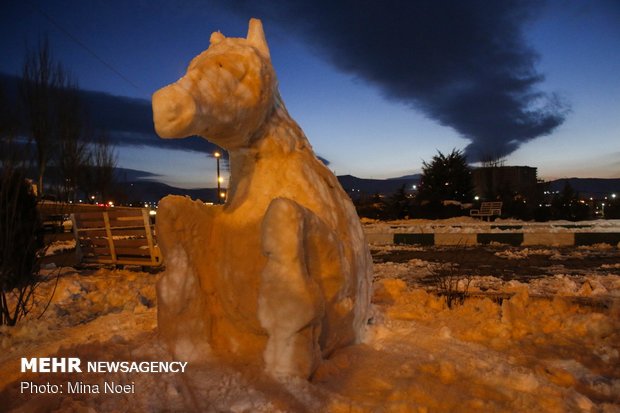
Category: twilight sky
[377,86]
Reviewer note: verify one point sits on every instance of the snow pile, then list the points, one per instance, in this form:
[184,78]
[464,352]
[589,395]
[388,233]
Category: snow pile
[76,299]
[601,247]
[388,248]
[413,269]
[571,285]
[520,254]
[525,354]
[58,247]
[522,355]
[493,284]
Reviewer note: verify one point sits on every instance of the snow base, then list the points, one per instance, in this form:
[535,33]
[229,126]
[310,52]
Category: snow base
[523,355]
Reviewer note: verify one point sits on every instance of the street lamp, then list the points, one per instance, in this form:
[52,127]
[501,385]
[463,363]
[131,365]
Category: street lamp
[219,178]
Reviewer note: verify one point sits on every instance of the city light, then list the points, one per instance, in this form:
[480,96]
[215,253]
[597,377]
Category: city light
[220,179]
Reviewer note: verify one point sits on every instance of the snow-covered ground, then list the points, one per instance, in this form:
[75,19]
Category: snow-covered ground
[58,247]
[553,347]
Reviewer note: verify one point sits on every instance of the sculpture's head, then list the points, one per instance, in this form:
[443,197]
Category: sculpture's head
[225,95]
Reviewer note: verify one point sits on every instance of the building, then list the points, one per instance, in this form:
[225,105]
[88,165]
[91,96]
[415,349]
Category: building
[493,182]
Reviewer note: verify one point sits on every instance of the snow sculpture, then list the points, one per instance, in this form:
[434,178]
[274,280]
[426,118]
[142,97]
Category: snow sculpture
[280,274]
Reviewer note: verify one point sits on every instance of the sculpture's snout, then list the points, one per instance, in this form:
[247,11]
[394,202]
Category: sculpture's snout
[174,112]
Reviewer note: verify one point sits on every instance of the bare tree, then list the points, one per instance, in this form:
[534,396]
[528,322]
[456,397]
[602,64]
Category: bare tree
[103,162]
[9,125]
[72,145]
[42,79]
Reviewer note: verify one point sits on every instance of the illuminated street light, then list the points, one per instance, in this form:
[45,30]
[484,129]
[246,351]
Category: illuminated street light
[219,178]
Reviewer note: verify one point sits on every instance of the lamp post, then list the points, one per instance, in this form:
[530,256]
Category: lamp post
[219,178]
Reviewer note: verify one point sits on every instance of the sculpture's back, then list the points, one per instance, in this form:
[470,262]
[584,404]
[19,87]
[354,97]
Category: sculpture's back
[281,273]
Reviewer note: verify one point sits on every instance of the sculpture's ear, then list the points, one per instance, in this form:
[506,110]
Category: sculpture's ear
[256,37]
[216,37]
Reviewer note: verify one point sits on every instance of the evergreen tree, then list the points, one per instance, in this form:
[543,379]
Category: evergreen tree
[446,177]
[566,205]
[399,204]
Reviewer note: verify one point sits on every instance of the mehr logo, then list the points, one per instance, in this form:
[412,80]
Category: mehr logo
[51,365]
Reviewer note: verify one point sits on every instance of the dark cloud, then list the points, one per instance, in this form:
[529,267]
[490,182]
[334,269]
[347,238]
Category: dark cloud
[130,122]
[127,121]
[463,63]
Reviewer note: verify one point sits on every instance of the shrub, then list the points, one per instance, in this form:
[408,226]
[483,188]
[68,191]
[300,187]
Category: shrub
[20,240]
[451,280]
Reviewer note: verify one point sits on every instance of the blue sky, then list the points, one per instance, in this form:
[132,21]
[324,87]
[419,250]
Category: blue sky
[131,49]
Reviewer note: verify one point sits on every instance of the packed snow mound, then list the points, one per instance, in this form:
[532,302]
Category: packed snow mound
[520,355]
[523,355]
[280,274]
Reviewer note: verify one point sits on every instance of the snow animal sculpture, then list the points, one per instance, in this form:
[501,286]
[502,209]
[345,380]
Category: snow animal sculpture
[280,274]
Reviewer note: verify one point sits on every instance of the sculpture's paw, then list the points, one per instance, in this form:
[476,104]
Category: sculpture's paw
[180,302]
[178,283]
[181,219]
[172,211]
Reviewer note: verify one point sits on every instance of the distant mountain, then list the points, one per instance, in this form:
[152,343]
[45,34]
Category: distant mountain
[352,184]
[589,187]
[152,191]
[417,177]
[142,186]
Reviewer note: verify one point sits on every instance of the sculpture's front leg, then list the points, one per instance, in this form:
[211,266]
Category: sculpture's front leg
[290,303]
